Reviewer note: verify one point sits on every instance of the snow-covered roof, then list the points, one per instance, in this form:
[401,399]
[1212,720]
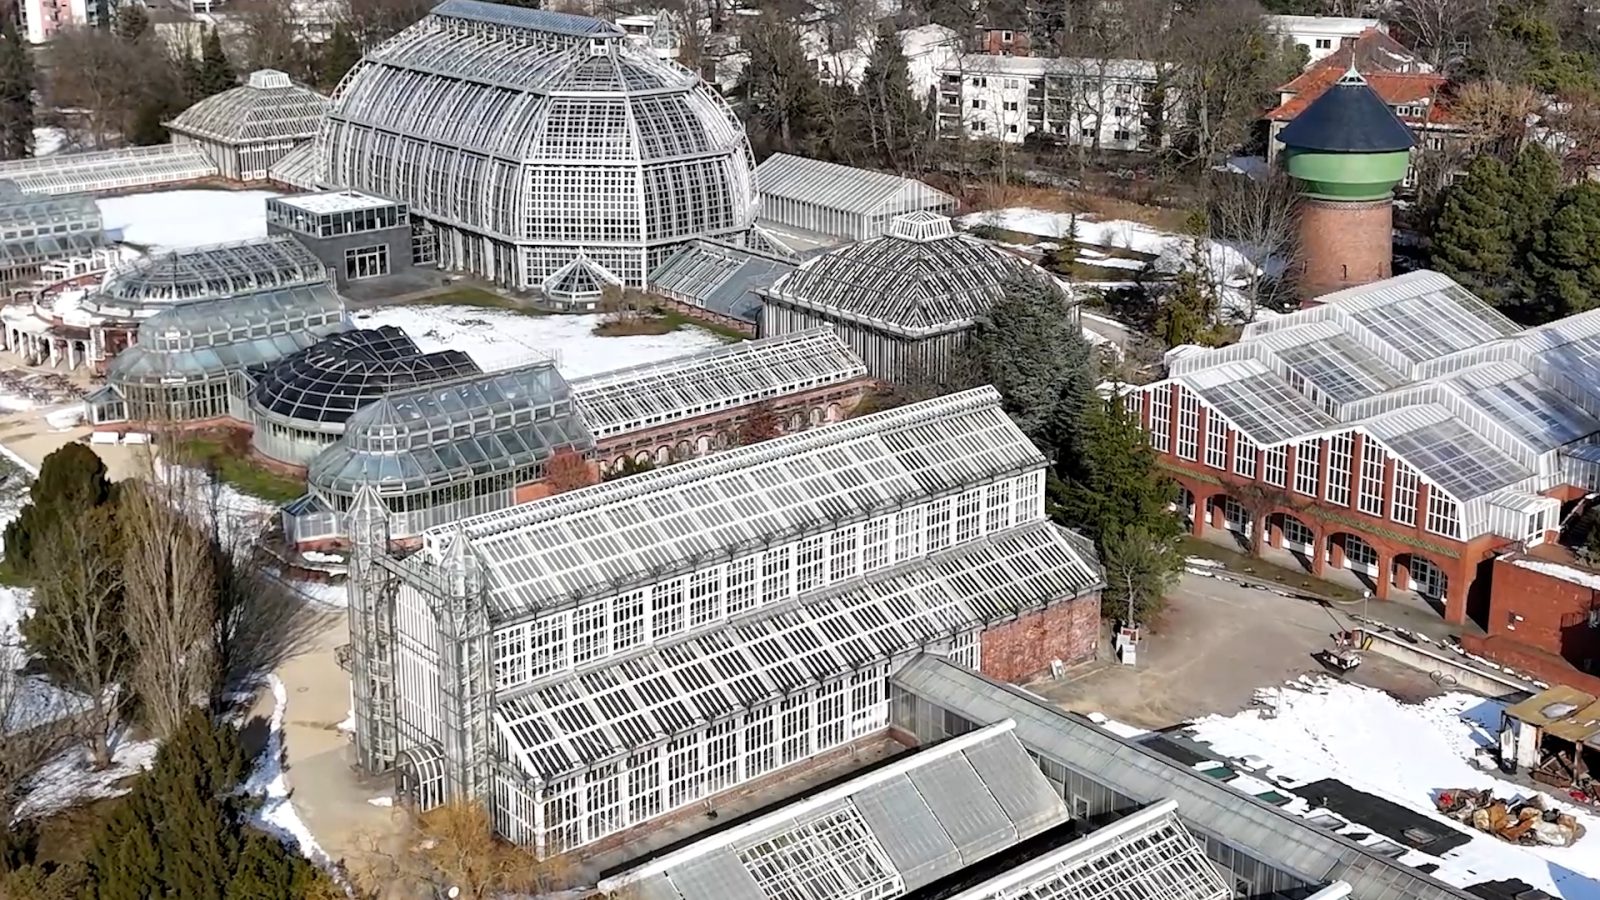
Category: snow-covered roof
[656,393]
[845,188]
[267,107]
[886,833]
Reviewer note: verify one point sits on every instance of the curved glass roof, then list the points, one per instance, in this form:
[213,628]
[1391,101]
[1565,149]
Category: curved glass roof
[453,431]
[267,107]
[206,338]
[725,378]
[35,228]
[919,278]
[201,273]
[327,382]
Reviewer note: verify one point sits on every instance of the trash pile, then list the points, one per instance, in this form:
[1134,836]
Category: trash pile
[1520,821]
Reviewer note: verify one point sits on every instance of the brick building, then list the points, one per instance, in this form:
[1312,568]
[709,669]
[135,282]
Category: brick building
[1544,615]
[1404,430]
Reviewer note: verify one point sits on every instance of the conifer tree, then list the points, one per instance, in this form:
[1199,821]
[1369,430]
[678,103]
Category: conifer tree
[338,56]
[1472,240]
[216,72]
[1030,348]
[16,93]
[71,481]
[132,21]
[893,115]
[1534,182]
[1566,260]
[782,97]
[1113,483]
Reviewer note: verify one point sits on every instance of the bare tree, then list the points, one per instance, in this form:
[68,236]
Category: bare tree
[1226,69]
[78,623]
[454,846]
[271,38]
[1498,117]
[1260,218]
[29,735]
[100,76]
[171,584]
[375,21]
[1441,28]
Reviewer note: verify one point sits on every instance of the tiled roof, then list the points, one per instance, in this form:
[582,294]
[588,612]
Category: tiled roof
[1348,118]
[1394,72]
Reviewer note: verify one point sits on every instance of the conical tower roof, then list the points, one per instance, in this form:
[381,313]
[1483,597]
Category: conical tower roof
[1349,117]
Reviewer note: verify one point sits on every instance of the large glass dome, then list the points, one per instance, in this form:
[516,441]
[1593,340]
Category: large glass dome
[525,137]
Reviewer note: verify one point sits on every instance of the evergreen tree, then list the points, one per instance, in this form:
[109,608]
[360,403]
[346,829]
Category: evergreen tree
[1029,347]
[132,21]
[71,482]
[1112,483]
[1566,260]
[216,72]
[1472,240]
[187,67]
[16,93]
[1064,258]
[894,116]
[783,99]
[1534,182]
[338,56]
[1140,568]
[1188,310]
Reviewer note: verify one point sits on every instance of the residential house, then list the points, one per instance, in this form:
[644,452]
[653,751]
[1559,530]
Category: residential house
[1320,35]
[1102,103]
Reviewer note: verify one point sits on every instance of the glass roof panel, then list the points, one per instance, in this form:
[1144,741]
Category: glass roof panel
[327,382]
[1448,453]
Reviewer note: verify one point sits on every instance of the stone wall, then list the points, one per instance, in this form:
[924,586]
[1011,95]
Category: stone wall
[1020,649]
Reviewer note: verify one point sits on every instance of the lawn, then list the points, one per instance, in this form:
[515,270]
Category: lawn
[238,471]
[1242,563]
[663,321]
[474,296]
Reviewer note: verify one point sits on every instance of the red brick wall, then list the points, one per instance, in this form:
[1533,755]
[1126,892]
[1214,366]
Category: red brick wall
[1555,613]
[1345,244]
[1018,650]
[992,41]
[1530,661]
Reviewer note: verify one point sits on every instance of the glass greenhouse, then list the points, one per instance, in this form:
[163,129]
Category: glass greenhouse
[442,452]
[123,169]
[526,136]
[245,130]
[38,228]
[191,358]
[300,405]
[719,280]
[154,282]
[906,302]
[842,201]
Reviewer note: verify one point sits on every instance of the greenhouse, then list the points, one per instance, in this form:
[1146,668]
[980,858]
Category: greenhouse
[906,302]
[442,452]
[718,282]
[245,130]
[300,405]
[38,228]
[297,169]
[154,282]
[840,201]
[192,359]
[528,137]
[635,647]
[104,171]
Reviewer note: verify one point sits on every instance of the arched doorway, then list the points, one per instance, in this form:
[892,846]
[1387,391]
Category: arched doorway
[1421,574]
[419,777]
[1351,551]
[1293,536]
[1222,511]
[1183,504]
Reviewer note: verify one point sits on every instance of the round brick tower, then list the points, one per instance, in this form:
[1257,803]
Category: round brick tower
[1346,151]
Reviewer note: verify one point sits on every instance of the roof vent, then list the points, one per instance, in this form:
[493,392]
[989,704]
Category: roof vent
[921,226]
[269,78]
[1558,710]
[1351,76]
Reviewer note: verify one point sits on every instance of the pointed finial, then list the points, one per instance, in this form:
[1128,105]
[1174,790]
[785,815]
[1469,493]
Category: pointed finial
[1351,76]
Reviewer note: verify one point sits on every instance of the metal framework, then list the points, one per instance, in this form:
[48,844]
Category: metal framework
[885,834]
[653,640]
[740,374]
[528,137]
[300,404]
[906,301]
[296,169]
[828,198]
[152,283]
[38,228]
[1485,413]
[720,278]
[249,128]
[109,170]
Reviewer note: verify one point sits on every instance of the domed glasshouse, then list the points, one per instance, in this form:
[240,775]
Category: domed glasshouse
[526,137]
[245,130]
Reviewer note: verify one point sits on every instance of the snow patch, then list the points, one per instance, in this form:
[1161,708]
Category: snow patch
[1320,728]
[67,418]
[47,141]
[385,802]
[170,219]
[1561,572]
[277,814]
[68,779]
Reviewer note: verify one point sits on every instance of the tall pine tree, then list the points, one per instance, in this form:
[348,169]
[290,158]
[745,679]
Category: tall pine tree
[783,99]
[216,72]
[1534,182]
[892,113]
[1566,260]
[337,57]
[16,93]
[1472,240]
[1112,483]
[1030,348]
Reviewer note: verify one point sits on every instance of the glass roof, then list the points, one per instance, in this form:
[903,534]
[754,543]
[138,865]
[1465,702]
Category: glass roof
[1340,368]
[326,383]
[297,168]
[725,378]
[845,188]
[911,287]
[1517,399]
[1258,402]
[1427,319]
[594,540]
[451,431]
[1447,452]
[595,714]
[582,278]
[109,170]
[267,107]
[719,277]
[216,270]
[206,338]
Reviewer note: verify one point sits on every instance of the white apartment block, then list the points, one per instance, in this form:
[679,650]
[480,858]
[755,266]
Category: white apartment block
[39,20]
[1102,103]
[1320,35]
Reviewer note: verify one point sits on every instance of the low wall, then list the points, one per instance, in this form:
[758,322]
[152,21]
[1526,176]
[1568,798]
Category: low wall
[1544,666]
[1448,670]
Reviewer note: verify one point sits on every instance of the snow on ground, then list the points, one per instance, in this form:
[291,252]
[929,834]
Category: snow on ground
[499,339]
[67,417]
[68,779]
[277,814]
[168,219]
[1323,728]
[48,140]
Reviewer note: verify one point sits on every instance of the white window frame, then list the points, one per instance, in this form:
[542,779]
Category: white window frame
[1340,447]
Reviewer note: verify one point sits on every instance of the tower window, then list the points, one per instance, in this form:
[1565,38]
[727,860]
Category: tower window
[1344,272]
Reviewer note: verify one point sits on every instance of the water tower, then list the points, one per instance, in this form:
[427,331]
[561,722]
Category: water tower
[1346,152]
